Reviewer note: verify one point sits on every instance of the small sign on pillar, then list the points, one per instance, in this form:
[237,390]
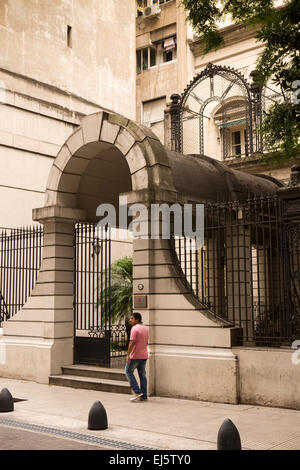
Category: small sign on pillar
[140,301]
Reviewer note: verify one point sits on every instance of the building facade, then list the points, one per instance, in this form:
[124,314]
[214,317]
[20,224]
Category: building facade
[59,62]
[163,36]
[169,56]
[65,151]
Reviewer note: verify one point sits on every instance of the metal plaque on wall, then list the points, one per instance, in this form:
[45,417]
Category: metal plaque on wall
[140,301]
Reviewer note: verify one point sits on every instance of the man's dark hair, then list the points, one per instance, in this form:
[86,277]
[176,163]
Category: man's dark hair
[137,316]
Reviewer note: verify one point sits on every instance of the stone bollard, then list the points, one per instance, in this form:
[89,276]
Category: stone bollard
[97,417]
[229,437]
[6,401]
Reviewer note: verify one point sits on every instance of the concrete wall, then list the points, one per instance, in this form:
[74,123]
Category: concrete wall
[31,133]
[100,64]
[254,376]
[268,377]
[49,86]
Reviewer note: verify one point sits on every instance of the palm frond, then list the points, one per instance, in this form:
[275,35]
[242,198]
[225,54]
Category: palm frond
[121,272]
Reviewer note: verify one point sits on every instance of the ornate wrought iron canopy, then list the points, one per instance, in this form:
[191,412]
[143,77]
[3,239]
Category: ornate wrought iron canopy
[219,111]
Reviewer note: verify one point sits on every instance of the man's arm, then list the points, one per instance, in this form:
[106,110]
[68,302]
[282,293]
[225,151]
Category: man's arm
[130,348]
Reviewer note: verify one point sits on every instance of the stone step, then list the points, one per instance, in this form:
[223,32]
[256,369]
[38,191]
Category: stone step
[94,371]
[90,383]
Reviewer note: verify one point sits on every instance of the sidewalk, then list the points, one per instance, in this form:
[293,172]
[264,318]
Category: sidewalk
[160,423]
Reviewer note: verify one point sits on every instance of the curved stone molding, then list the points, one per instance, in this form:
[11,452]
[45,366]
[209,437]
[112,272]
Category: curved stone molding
[146,157]
[42,332]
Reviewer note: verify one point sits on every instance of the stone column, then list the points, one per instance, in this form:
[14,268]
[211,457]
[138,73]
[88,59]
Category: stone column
[39,338]
[167,127]
[149,258]
[291,195]
[175,125]
[239,272]
[215,271]
[190,350]
[291,254]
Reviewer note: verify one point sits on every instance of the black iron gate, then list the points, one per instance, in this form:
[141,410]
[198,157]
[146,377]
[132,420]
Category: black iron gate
[92,307]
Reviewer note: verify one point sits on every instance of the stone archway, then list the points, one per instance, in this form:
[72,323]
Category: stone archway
[146,157]
[40,335]
[38,340]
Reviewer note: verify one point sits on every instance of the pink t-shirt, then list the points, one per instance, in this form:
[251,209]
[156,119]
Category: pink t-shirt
[139,334]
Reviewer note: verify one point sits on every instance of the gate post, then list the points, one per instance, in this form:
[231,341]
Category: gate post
[290,195]
[175,124]
[150,267]
[40,335]
[189,350]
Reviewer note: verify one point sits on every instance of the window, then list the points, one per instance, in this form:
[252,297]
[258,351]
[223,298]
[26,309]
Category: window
[140,5]
[167,49]
[69,36]
[153,115]
[236,140]
[152,56]
[168,56]
[159,2]
[163,51]
[153,111]
[145,58]
[230,118]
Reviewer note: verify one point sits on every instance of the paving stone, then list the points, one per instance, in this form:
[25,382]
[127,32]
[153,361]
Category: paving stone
[18,439]
[159,423]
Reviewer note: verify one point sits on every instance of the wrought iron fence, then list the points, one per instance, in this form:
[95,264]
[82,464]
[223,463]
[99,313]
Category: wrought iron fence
[92,297]
[248,270]
[20,260]
[118,340]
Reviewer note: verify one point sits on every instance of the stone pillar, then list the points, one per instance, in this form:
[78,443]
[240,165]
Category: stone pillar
[238,273]
[190,349]
[291,195]
[167,127]
[175,125]
[291,255]
[215,268]
[38,340]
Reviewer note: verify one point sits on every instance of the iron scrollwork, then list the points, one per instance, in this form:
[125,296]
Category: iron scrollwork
[214,73]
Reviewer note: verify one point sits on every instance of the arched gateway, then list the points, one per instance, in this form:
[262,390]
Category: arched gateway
[109,155]
[106,156]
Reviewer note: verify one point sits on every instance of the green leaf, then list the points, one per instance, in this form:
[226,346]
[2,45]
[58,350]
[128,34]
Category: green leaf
[121,279]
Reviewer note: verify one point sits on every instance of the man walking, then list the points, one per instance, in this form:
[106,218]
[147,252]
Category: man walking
[137,357]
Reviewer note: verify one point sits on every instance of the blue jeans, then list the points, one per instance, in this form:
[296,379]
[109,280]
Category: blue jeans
[140,365]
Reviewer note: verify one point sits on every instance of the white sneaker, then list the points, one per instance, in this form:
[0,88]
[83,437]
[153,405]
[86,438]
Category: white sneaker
[136,396]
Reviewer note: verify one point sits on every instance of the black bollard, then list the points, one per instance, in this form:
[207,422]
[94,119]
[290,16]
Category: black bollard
[6,401]
[229,437]
[97,417]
